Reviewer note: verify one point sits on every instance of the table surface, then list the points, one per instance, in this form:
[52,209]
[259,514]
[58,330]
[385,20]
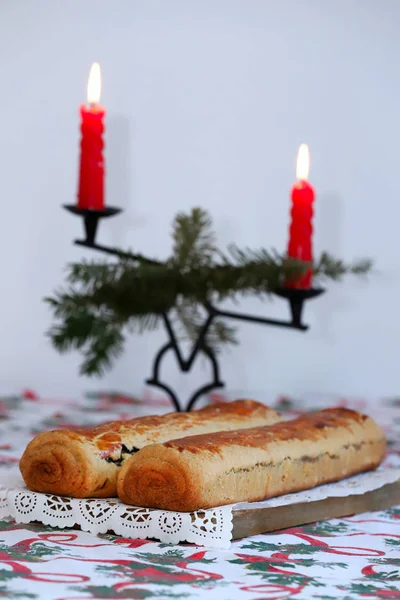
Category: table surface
[349,558]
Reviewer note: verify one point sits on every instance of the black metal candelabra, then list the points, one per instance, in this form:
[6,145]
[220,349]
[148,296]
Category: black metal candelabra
[295,297]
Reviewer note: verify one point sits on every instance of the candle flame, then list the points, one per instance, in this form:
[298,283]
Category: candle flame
[94,84]
[303,163]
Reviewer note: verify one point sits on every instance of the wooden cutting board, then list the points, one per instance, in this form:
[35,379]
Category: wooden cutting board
[263,520]
[253,521]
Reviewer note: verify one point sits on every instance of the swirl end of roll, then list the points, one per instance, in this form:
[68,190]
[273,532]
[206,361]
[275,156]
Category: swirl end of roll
[53,466]
[156,478]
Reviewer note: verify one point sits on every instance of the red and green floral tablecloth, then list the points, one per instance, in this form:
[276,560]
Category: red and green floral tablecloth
[351,558]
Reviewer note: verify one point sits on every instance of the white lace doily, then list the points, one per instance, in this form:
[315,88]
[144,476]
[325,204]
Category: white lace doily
[211,528]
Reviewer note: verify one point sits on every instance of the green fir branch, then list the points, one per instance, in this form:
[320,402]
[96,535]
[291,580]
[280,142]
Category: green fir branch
[332,268]
[194,240]
[103,301]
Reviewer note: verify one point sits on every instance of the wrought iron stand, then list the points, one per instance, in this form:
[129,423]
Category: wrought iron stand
[295,297]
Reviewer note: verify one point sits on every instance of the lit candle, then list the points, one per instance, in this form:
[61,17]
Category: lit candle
[301,229]
[91,171]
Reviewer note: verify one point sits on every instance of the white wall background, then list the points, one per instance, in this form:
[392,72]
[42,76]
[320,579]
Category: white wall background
[207,103]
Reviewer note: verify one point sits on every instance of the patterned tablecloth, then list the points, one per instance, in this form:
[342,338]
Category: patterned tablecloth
[351,558]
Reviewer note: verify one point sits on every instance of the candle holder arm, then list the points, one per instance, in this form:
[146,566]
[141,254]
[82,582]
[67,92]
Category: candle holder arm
[91,220]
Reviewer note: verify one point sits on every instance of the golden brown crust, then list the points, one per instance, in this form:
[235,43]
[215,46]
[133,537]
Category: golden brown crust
[223,468]
[309,426]
[84,463]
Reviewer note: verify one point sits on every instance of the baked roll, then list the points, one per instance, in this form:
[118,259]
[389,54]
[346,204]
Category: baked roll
[205,471]
[84,463]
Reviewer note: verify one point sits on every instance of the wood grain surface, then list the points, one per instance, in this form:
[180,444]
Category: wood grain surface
[263,520]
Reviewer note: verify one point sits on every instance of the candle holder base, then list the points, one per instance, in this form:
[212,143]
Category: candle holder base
[296,299]
[91,219]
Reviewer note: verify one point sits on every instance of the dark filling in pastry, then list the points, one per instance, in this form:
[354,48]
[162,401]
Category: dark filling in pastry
[124,450]
[304,459]
[313,459]
[248,469]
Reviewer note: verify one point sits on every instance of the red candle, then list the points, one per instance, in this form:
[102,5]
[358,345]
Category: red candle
[91,170]
[301,229]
